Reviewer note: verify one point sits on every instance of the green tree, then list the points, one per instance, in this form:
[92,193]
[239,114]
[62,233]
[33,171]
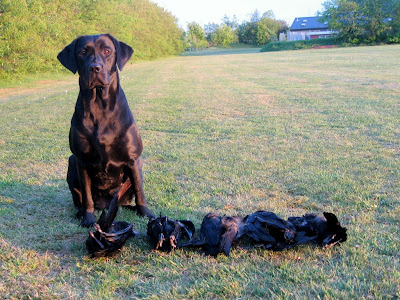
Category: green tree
[284,26]
[362,20]
[224,36]
[209,30]
[261,29]
[377,13]
[195,30]
[247,33]
[255,16]
[196,36]
[234,23]
[33,32]
[345,17]
[395,29]
[267,28]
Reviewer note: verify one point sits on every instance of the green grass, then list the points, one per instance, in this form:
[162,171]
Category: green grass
[291,132]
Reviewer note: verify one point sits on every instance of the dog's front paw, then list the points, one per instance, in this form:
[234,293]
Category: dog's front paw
[88,219]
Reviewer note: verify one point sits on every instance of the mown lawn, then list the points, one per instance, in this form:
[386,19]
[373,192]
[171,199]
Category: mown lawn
[290,132]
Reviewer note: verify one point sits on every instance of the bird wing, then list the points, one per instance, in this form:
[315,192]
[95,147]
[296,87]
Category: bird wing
[231,229]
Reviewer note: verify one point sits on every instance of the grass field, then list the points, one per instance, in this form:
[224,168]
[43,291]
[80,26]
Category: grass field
[290,132]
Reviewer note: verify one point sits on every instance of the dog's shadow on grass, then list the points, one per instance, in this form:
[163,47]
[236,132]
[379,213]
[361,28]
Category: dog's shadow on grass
[43,218]
[39,217]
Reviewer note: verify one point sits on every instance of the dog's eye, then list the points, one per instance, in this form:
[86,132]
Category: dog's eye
[83,52]
[107,51]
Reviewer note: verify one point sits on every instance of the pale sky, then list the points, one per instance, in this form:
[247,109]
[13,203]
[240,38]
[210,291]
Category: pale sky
[212,11]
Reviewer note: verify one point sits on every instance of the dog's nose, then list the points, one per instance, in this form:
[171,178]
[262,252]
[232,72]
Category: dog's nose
[96,68]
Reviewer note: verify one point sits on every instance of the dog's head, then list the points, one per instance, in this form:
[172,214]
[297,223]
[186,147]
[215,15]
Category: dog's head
[95,58]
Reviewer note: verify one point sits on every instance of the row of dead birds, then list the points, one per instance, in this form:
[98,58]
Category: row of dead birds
[218,233]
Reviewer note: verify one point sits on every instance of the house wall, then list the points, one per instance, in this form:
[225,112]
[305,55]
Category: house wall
[296,36]
[308,34]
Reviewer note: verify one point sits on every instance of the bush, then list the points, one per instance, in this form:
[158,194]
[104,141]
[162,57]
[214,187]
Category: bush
[296,45]
[33,32]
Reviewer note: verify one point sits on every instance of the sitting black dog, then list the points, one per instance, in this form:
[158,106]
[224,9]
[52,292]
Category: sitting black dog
[103,138]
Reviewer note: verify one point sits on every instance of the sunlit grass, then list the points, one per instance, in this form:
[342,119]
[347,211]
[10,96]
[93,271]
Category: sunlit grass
[290,132]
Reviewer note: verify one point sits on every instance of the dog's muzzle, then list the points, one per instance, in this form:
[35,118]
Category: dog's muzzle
[97,77]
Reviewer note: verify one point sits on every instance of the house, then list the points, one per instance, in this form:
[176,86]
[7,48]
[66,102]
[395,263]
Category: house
[306,28]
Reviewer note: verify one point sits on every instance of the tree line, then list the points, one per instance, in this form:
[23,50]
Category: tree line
[355,21]
[364,21]
[261,29]
[32,32]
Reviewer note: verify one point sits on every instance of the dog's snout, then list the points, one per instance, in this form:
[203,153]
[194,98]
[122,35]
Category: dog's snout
[95,68]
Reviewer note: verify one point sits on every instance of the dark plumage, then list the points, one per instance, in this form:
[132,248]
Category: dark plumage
[108,236]
[217,234]
[266,229]
[325,231]
[165,233]
[270,231]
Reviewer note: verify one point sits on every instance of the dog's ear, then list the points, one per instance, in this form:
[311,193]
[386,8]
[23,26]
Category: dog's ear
[124,51]
[67,57]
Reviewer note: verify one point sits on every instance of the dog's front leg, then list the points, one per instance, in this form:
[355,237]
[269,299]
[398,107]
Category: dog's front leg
[137,181]
[88,218]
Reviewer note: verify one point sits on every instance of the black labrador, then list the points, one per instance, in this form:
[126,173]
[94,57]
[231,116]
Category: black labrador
[103,138]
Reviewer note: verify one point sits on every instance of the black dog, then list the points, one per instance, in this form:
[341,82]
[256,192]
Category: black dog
[104,138]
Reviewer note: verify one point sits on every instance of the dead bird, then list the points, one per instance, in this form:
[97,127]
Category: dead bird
[217,234]
[109,236]
[325,231]
[264,228]
[165,234]
[269,231]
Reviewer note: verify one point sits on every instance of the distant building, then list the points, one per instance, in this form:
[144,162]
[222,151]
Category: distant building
[306,28]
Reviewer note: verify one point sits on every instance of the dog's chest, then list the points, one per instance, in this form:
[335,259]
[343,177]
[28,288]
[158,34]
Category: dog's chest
[108,141]
[103,133]
[106,177]
[103,138]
